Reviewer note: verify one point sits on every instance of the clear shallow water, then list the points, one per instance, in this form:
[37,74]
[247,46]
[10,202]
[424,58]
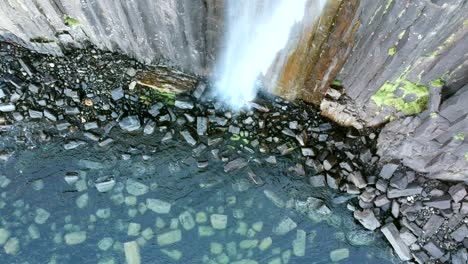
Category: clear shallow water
[33,179]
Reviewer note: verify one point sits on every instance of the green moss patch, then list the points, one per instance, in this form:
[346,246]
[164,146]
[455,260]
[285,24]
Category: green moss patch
[387,96]
[459,136]
[70,21]
[392,51]
[438,83]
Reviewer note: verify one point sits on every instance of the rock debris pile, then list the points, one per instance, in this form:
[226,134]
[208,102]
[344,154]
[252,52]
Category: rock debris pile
[85,95]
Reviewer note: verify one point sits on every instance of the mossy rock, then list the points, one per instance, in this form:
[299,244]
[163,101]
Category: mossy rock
[70,21]
[394,94]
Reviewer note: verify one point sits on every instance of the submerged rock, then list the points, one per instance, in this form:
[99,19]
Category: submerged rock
[285,226]
[169,238]
[130,123]
[218,221]
[12,246]
[132,252]
[236,164]
[136,188]
[339,254]
[158,206]
[75,238]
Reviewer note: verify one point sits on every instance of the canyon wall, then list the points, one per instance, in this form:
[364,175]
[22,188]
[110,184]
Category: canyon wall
[409,67]
[183,33]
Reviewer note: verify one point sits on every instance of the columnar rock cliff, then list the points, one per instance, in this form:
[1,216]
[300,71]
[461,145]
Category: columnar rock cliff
[183,33]
[399,63]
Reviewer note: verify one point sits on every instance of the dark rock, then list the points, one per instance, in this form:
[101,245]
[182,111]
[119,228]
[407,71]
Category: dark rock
[271,160]
[234,130]
[255,179]
[188,137]
[393,236]
[90,125]
[332,182]
[202,125]
[460,234]
[381,200]
[433,250]
[388,170]
[130,123]
[201,87]
[421,257]
[412,189]
[236,164]
[71,110]
[399,181]
[407,237]
[458,192]
[155,109]
[367,219]
[73,144]
[442,202]
[357,179]
[460,256]
[35,114]
[317,181]
[149,127]
[117,94]
[186,105]
[199,149]
[105,142]
[432,225]
[381,185]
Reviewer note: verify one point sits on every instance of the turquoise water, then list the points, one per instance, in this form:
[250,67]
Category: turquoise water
[44,219]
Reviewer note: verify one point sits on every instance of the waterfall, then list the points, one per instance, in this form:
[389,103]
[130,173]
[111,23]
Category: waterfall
[256,31]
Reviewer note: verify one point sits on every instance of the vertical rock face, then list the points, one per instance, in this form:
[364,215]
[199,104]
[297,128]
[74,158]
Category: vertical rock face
[406,63]
[183,33]
[324,40]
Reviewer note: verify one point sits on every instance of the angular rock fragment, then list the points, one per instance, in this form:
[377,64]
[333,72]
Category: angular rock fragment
[393,236]
[339,254]
[458,192]
[132,252]
[202,125]
[367,219]
[136,188]
[105,184]
[388,170]
[169,238]
[186,220]
[186,105]
[149,127]
[433,250]
[412,189]
[443,202]
[75,238]
[188,137]
[7,107]
[130,123]
[218,221]
[317,181]
[357,179]
[460,234]
[234,165]
[285,226]
[158,206]
[432,225]
[274,198]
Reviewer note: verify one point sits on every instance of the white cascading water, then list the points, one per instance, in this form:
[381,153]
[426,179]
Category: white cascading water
[257,31]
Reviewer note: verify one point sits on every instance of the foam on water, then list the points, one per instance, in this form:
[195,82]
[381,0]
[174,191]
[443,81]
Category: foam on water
[257,31]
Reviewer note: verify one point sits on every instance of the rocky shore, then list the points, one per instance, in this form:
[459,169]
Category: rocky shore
[87,93]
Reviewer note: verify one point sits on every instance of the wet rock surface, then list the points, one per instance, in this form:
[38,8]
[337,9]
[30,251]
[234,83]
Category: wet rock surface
[423,219]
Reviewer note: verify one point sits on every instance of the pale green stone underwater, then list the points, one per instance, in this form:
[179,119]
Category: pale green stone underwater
[166,210]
